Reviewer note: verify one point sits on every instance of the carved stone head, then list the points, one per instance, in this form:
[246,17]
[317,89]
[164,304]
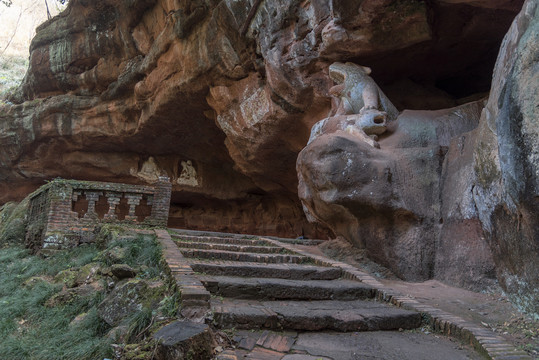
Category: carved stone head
[372,121]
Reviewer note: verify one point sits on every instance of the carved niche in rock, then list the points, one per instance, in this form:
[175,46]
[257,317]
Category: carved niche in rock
[359,107]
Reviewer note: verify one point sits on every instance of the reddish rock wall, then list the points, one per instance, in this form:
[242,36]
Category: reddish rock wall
[450,194]
[112,84]
[125,91]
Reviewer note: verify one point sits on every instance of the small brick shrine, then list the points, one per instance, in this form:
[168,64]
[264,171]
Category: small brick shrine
[64,213]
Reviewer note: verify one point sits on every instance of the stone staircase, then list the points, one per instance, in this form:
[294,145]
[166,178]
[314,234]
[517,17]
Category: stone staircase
[258,283]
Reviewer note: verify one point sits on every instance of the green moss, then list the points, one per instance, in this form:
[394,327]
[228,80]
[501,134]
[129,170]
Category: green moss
[13,222]
[107,234]
[144,351]
[485,167]
[26,286]
[5,211]
[67,277]
[88,273]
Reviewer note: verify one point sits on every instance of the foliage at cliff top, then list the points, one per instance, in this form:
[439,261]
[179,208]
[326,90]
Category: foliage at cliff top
[12,70]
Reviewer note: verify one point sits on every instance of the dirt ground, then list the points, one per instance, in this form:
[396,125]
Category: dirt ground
[375,345]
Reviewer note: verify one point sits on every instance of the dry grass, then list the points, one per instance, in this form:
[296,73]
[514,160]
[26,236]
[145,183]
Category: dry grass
[12,71]
[19,22]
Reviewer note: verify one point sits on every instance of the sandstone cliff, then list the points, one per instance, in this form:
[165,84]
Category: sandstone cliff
[221,95]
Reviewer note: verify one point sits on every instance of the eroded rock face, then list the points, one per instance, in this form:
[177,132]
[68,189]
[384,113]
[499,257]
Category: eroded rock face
[387,200]
[506,161]
[121,91]
[450,194]
[125,91]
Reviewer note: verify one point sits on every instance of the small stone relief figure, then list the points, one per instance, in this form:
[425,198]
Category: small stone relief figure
[188,176]
[149,172]
[359,107]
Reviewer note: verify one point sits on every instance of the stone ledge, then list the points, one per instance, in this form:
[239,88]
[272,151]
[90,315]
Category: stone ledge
[195,299]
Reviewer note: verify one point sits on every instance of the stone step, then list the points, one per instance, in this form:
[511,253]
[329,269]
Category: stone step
[231,247]
[306,242]
[227,237]
[281,289]
[334,315]
[239,256]
[280,271]
[220,240]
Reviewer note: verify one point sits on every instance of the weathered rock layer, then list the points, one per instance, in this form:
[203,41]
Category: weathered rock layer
[450,194]
[506,161]
[221,96]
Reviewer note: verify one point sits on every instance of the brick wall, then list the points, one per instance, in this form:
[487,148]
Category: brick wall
[64,213]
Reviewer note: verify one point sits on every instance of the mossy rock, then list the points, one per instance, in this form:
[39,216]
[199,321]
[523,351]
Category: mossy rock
[108,233]
[144,351]
[78,319]
[68,296]
[67,277]
[34,280]
[115,255]
[123,271]
[89,273]
[105,234]
[130,297]
[13,222]
[118,334]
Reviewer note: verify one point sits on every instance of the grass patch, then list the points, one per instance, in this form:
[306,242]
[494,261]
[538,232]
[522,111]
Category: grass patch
[13,222]
[37,320]
[139,322]
[141,250]
[30,330]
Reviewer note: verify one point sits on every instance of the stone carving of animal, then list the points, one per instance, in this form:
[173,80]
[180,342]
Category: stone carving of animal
[365,126]
[357,91]
[359,107]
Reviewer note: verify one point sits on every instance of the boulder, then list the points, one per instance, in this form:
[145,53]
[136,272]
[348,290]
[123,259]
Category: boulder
[129,297]
[114,255]
[67,296]
[123,271]
[450,194]
[89,273]
[389,200]
[67,277]
[184,340]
